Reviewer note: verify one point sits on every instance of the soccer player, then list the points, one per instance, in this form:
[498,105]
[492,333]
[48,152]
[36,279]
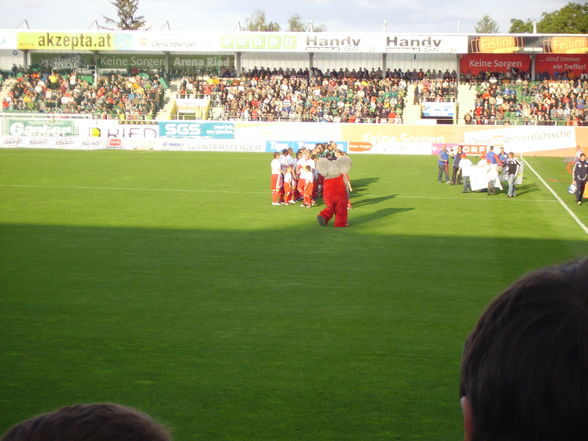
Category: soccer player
[308,176]
[276,180]
[288,187]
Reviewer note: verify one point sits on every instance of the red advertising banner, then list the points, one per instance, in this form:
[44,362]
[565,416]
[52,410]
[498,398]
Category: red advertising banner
[574,64]
[476,63]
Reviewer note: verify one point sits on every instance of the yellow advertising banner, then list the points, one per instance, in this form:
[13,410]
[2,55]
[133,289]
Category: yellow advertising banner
[62,41]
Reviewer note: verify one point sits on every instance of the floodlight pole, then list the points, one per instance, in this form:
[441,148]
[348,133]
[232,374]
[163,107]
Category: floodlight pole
[24,22]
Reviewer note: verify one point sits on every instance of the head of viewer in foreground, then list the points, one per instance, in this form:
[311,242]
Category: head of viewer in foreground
[89,422]
[524,373]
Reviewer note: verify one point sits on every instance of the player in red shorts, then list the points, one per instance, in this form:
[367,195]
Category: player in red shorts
[276,180]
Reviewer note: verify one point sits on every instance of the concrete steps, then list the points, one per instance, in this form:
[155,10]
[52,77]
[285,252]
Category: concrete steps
[466,100]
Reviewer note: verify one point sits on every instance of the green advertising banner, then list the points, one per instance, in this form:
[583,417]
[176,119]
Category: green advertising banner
[130,61]
[108,61]
[200,62]
[61,61]
[38,127]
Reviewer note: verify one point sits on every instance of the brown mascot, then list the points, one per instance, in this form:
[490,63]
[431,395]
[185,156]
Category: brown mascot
[335,192]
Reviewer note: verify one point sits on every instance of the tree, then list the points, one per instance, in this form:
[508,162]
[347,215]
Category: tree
[257,22]
[487,25]
[518,26]
[127,21]
[571,19]
[296,24]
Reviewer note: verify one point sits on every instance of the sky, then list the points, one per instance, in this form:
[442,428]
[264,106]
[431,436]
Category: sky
[424,16]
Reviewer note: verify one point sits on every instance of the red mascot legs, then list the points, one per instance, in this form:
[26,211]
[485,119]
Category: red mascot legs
[336,199]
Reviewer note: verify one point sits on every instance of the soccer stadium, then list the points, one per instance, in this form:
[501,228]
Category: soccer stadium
[146,260]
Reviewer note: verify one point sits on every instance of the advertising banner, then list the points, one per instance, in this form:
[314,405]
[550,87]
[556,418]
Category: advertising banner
[438,110]
[268,137]
[61,61]
[7,40]
[184,129]
[128,61]
[52,142]
[176,41]
[425,43]
[288,130]
[68,41]
[212,145]
[576,64]
[113,129]
[476,63]
[278,146]
[525,138]
[260,42]
[511,44]
[207,62]
[39,127]
[392,139]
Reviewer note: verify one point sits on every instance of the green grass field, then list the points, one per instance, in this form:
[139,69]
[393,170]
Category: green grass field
[168,282]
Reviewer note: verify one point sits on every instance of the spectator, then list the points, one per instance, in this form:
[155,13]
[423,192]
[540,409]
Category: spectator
[524,373]
[89,422]
[113,96]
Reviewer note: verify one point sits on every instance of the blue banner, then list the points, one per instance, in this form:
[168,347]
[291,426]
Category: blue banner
[189,129]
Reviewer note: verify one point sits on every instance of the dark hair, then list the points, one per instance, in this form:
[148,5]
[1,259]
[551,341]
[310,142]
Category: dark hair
[89,422]
[525,365]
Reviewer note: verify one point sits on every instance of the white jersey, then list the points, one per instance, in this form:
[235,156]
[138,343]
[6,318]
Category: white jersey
[276,166]
[308,176]
[288,178]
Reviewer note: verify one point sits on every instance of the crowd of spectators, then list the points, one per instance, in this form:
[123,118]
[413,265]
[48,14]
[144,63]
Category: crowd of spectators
[343,95]
[303,95]
[113,96]
[547,102]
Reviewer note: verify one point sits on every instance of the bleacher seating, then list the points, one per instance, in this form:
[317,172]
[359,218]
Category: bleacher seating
[347,96]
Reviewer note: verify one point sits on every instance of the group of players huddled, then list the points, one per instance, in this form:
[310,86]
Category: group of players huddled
[294,175]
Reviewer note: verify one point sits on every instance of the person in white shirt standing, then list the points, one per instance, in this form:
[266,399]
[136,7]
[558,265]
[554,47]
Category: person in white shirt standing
[276,180]
[464,165]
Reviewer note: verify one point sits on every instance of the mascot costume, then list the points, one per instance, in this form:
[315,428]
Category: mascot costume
[335,192]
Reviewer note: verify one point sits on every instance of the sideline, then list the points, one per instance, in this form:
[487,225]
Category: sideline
[172,190]
[563,204]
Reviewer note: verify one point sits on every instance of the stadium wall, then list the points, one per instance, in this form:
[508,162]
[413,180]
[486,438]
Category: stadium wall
[10,57]
[227,136]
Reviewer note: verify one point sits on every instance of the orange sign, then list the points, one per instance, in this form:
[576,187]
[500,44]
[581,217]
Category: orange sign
[566,45]
[496,45]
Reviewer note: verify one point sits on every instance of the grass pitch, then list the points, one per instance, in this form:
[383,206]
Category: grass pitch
[168,282]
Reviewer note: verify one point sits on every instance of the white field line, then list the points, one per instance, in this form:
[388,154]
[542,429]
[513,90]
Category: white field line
[173,190]
[563,204]
[194,190]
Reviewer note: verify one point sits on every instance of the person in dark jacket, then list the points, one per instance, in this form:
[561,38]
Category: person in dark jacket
[579,177]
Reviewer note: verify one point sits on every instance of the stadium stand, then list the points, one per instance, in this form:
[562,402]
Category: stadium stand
[125,97]
[547,102]
[260,94]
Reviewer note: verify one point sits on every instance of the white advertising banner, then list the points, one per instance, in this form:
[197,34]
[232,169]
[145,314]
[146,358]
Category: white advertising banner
[52,142]
[108,128]
[315,132]
[525,138]
[209,145]
[8,40]
[219,42]
[176,41]
[299,42]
